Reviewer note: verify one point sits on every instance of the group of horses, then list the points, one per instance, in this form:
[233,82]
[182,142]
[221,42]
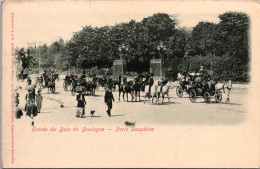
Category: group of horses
[135,88]
[47,80]
[71,82]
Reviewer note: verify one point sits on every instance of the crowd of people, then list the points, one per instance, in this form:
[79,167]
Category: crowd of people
[34,96]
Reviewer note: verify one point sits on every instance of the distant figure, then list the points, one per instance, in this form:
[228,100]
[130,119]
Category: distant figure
[83,76]
[29,80]
[147,77]
[18,112]
[31,110]
[30,99]
[120,78]
[124,80]
[151,82]
[108,100]
[202,71]
[163,83]
[228,87]
[135,79]
[106,73]
[81,105]
[16,97]
[39,100]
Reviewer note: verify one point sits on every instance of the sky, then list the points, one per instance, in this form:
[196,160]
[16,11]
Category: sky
[47,22]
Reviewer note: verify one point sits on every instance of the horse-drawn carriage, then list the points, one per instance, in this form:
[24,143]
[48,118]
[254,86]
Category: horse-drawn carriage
[197,85]
[74,82]
[21,76]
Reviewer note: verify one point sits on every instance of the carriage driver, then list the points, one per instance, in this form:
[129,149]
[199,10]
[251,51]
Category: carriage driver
[135,79]
[120,78]
[151,81]
[163,83]
[83,76]
[124,80]
[202,71]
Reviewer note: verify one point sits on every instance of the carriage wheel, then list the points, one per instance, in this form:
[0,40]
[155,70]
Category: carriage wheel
[65,86]
[206,97]
[179,91]
[218,97]
[192,95]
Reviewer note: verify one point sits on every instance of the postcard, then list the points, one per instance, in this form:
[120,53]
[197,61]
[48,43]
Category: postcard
[116,84]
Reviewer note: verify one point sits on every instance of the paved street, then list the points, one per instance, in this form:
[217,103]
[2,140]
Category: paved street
[179,111]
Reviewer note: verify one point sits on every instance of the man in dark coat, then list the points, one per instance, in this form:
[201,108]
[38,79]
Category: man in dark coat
[108,100]
[120,78]
[147,77]
[151,81]
[124,80]
[80,105]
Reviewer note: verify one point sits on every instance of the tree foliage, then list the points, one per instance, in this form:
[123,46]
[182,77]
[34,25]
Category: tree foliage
[224,44]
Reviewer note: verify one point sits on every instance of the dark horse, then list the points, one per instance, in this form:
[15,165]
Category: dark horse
[126,88]
[51,85]
[91,87]
[137,86]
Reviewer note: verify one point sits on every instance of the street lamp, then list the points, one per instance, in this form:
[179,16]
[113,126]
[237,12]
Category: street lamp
[161,48]
[122,49]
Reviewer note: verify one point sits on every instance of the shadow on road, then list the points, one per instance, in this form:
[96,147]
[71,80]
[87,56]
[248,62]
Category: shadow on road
[117,115]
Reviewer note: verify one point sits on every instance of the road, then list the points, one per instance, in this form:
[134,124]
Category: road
[179,111]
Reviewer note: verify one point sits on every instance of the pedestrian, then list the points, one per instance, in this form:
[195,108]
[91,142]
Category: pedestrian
[228,87]
[151,82]
[109,98]
[29,97]
[16,97]
[39,100]
[124,80]
[31,109]
[18,112]
[80,105]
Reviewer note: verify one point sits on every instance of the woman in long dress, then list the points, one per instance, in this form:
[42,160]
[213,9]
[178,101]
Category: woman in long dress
[228,87]
[39,100]
[81,105]
[31,108]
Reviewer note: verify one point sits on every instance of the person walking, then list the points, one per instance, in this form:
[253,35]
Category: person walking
[109,98]
[30,107]
[151,82]
[80,105]
[228,87]
[18,112]
[30,99]
[39,100]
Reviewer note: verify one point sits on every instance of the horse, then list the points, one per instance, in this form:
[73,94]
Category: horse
[39,82]
[164,90]
[22,76]
[51,86]
[128,89]
[91,87]
[137,89]
[154,92]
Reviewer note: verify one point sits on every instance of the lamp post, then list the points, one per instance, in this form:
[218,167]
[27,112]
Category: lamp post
[161,48]
[122,49]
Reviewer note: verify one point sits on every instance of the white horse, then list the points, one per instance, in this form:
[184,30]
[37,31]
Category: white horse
[164,92]
[154,92]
